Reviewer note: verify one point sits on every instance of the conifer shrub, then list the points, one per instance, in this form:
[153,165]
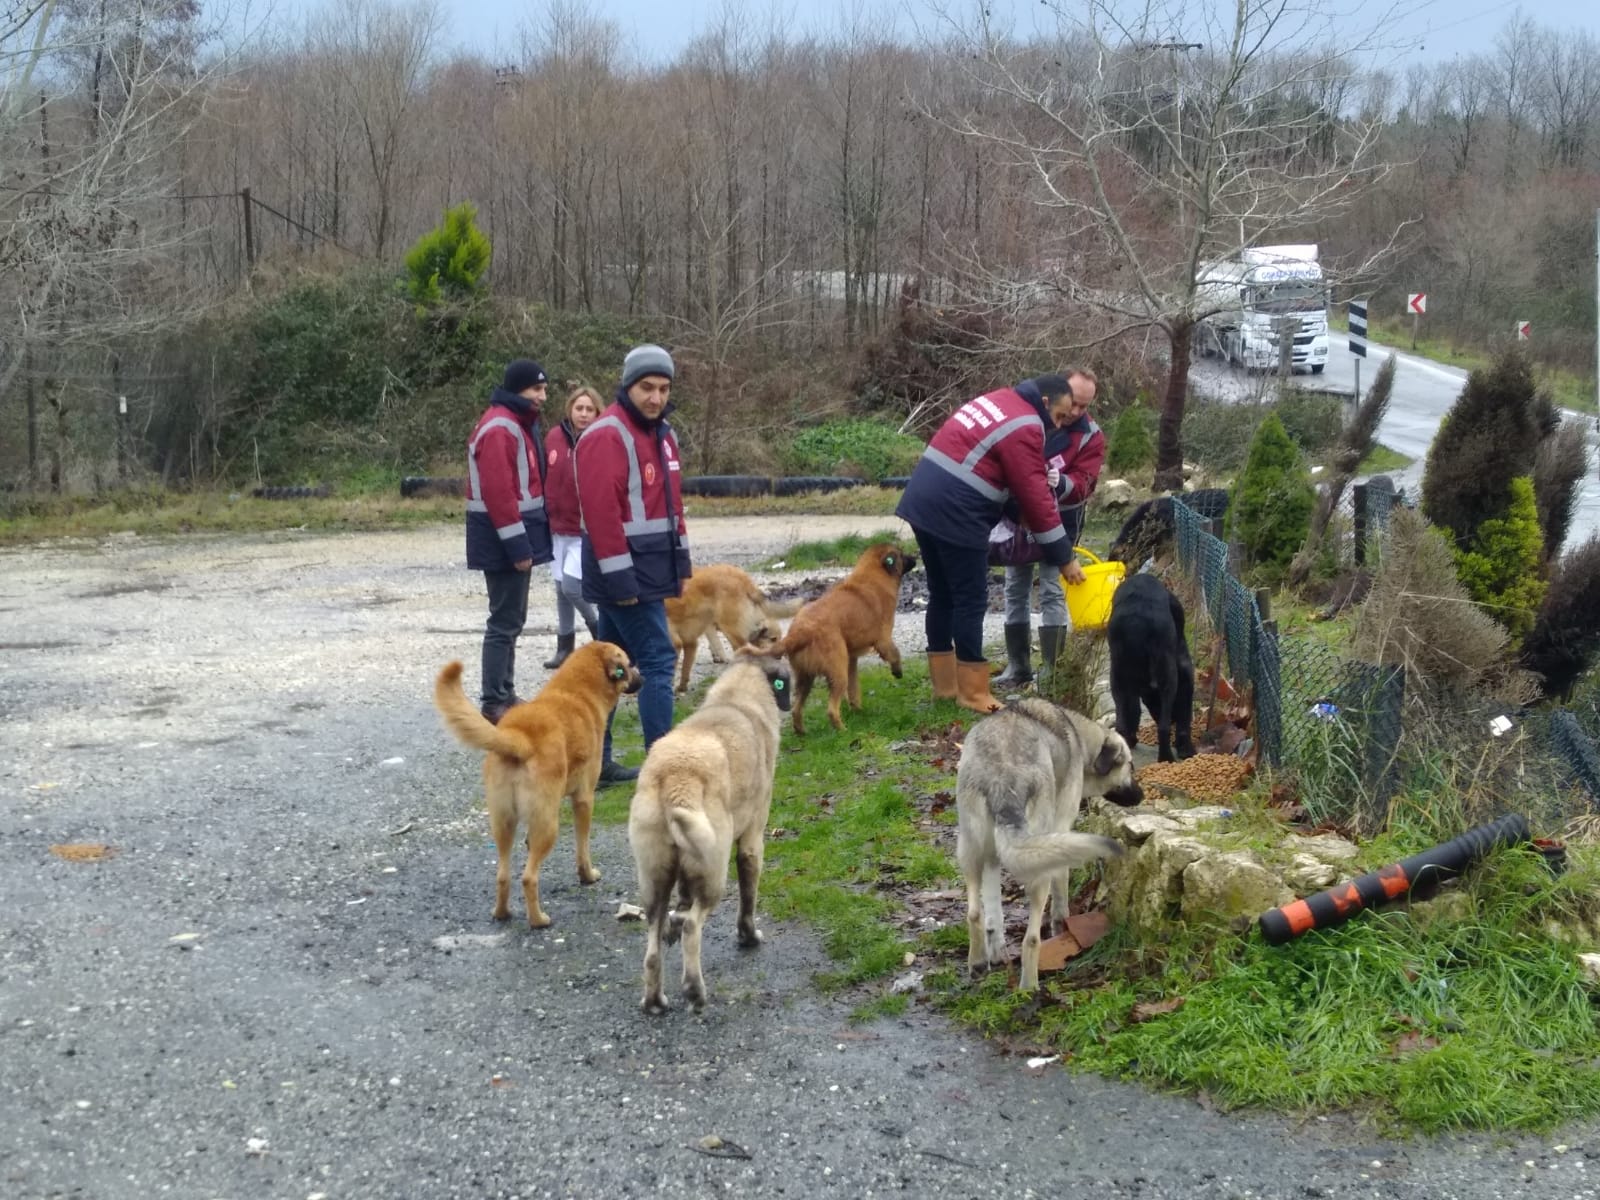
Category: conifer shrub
[1565,639]
[448,262]
[1501,569]
[1272,503]
[1130,447]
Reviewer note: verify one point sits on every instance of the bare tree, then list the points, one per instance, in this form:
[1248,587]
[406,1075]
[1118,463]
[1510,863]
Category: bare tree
[1151,156]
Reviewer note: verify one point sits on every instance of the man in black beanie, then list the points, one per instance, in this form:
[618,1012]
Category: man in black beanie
[508,533]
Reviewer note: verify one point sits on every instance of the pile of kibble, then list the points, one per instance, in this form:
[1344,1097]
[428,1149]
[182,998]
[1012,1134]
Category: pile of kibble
[1212,778]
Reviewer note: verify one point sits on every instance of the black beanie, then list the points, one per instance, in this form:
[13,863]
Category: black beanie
[521,374]
[1052,387]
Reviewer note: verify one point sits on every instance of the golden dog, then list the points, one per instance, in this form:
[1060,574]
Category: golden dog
[855,615]
[721,597]
[542,750]
[704,787]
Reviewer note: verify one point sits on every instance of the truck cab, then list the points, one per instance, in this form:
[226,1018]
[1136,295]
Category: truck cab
[1252,299]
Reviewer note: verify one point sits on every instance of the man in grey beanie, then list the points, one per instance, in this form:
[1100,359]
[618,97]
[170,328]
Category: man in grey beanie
[635,546]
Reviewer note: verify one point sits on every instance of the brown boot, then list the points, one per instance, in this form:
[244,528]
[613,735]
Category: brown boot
[972,688]
[942,673]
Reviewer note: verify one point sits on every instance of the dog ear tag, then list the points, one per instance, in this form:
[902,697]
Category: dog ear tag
[889,562]
[618,673]
[777,685]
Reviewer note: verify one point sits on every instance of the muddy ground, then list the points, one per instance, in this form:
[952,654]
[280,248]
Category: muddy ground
[283,980]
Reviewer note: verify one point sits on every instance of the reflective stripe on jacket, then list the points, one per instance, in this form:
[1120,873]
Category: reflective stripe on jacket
[506,521]
[634,542]
[991,450]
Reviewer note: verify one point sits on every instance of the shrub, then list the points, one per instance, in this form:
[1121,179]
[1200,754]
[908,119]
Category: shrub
[1566,634]
[1557,473]
[1490,436]
[1130,447]
[1272,503]
[870,449]
[1217,436]
[1313,421]
[1501,570]
[448,262]
[1418,613]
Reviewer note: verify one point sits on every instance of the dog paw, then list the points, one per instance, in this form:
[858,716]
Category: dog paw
[751,940]
[894,669]
[539,920]
[695,995]
[592,875]
[655,1006]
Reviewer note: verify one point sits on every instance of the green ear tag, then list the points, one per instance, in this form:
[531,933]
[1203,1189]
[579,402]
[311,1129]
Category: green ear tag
[619,673]
[889,562]
[777,685]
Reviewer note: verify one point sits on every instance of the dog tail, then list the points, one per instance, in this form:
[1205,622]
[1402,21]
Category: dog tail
[683,801]
[470,726]
[778,609]
[1041,855]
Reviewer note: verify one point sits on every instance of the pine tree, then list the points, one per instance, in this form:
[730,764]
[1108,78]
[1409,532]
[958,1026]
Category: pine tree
[448,262]
[1502,567]
[1272,504]
[1130,447]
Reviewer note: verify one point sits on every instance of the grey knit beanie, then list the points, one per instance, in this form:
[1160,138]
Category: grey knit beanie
[645,360]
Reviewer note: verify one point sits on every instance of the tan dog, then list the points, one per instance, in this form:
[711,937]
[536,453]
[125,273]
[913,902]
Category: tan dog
[542,750]
[855,615]
[721,597]
[704,787]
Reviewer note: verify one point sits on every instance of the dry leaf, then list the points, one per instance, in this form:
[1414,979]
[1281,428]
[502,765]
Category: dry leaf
[1148,1010]
[83,851]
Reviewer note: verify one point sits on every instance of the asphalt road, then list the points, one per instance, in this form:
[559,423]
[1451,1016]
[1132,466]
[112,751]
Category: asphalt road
[285,981]
[1423,393]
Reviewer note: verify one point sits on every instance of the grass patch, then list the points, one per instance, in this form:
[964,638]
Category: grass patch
[1382,459]
[367,506]
[838,552]
[847,502]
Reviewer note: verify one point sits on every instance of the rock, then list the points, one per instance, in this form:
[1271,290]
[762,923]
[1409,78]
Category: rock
[1591,967]
[1307,874]
[1190,470]
[1115,493]
[1133,826]
[1146,884]
[1329,847]
[1451,904]
[1198,815]
[1233,887]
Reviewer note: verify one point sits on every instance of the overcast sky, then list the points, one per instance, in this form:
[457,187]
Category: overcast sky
[658,29]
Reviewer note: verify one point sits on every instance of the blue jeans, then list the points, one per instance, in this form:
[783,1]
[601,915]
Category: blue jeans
[641,630]
[958,595]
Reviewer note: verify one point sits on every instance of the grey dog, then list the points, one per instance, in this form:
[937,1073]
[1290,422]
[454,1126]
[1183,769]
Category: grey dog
[1024,774]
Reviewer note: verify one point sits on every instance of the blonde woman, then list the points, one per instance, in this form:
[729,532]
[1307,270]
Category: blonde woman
[561,502]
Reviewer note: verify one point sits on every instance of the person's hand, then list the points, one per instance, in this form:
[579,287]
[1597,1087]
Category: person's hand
[1052,477]
[1073,572]
[525,565]
[628,603]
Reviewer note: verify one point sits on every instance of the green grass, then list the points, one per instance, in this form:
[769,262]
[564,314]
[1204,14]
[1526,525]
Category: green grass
[838,552]
[1382,459]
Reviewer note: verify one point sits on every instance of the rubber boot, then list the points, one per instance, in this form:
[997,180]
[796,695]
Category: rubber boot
[1052,641]
[564,646]
[972,687]
[612,771]
[942,673]
[1019,658]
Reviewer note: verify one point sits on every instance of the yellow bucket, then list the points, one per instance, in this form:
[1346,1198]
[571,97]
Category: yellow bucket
[1089,602]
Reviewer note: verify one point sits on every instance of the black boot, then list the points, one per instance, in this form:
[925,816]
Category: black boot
[564,645]
[1019,656]
[612,771]
[1052,640]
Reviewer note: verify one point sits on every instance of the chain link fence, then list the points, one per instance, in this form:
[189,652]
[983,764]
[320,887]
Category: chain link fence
[1347,730]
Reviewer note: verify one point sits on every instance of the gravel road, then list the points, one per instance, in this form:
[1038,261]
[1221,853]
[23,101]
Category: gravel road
[284,982]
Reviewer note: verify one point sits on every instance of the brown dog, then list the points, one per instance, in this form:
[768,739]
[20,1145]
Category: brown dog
[721,597]
[855,615]
[542,750]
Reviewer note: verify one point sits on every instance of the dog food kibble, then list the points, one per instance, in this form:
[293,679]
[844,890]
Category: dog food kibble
[1147,731]
[1211,777]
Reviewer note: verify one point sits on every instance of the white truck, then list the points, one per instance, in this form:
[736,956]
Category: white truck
[1246,298]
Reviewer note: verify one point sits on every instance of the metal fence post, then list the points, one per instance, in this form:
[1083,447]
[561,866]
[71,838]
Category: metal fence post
[1359,509]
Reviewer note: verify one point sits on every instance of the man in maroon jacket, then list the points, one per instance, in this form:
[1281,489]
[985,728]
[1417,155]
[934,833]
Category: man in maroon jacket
[507,531]
[635,546]
[989,452]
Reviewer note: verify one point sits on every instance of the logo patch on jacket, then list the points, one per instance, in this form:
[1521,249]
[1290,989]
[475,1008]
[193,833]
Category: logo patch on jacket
[1056,461]
[649,472]
[552,457]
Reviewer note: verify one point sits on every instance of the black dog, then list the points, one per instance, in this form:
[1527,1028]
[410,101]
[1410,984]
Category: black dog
[1149,529]
[1150,663]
